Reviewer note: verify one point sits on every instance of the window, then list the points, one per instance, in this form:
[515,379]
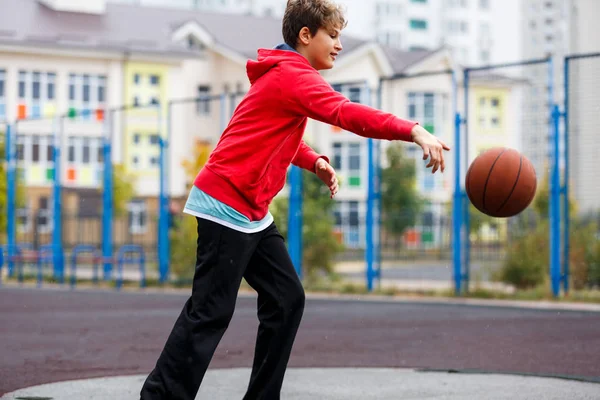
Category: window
[36,86]
[418,1]
[23,220]
[86,93]
[22,84]
[35,149]
[72,82]
[355,95]
[354,164]
[136,79]
[154,139]
[203,104]
[154,80]
[489,111]
[44,216]
[101,89]
[429,109]
[85,158]
[418,24]
[347,160]
[137,216]
[71,150]
[51,86]
[49,148]
[484,4]
[86,89]
[337,155]
[484,56]
[349,223]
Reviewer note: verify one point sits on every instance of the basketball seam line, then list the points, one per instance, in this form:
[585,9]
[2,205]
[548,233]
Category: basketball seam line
[488,178]
[514,186]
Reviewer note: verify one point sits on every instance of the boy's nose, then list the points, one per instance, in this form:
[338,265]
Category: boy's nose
[338,45]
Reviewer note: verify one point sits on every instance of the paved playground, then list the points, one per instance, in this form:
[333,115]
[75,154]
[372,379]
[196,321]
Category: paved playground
[346,348]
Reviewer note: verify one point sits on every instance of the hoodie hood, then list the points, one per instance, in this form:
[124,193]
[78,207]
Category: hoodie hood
[268,58]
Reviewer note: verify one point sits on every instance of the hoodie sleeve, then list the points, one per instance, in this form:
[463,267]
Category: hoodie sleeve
[306,157]
[311,96]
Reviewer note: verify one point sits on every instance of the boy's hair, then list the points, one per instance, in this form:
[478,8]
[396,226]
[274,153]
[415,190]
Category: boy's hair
[314,14]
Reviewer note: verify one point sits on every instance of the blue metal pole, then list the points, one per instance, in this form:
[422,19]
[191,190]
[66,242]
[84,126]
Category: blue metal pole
[107,196]
[372,200]
[566,215]
[369,222]
[457,215]
[466,208]
[163,216]
[57,249]
[11,183]
[555,207]
[295,219]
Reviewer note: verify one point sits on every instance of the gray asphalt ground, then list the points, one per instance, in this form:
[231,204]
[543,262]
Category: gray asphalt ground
[338,384]
[50,335]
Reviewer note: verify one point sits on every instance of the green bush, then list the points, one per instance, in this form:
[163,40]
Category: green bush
[593,258]
[183,248]
[526,264]
[319,244]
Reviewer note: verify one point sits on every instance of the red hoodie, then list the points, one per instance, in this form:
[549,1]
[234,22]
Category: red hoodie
[249,164]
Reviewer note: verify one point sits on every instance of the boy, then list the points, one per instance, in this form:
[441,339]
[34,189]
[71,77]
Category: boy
[232,193]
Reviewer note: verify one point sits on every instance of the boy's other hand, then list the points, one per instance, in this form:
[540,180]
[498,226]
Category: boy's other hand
[433,148]
[326,173]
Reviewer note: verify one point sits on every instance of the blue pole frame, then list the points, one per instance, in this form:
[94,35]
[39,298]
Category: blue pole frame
[295,218]
[107,196]
[457,214]
[57,249]
[11,197]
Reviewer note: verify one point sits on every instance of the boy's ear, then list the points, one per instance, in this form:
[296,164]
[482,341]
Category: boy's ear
[304,36]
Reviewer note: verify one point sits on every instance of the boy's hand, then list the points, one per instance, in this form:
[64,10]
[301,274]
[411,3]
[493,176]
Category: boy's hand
[326,173]
[432,148]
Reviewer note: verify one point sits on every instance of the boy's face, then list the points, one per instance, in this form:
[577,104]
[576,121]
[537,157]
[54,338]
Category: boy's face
[322,49]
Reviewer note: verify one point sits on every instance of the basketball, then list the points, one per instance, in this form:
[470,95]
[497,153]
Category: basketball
[501,182]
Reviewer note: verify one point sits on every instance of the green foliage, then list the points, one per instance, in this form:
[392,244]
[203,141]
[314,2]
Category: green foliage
[20,199]
[526,264]
[123,189]
[541,203]
[584,253]
[183,248]
[319,243]
[183,234]
[401,202]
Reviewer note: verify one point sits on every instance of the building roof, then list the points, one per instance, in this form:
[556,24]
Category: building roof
[144,29]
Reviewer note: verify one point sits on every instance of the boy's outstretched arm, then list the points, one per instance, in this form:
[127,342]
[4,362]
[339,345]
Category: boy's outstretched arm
[310,160]
[310,95]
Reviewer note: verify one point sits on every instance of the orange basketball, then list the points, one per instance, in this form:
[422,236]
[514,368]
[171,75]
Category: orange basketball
[501,182]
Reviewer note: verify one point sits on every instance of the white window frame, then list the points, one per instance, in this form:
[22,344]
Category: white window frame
[136,224]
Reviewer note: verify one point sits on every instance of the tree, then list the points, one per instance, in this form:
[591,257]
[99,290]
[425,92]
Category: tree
[541,203]
[20,195]
[319,245]
[123,189]
[201,152]
[183,245]
[401,202]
